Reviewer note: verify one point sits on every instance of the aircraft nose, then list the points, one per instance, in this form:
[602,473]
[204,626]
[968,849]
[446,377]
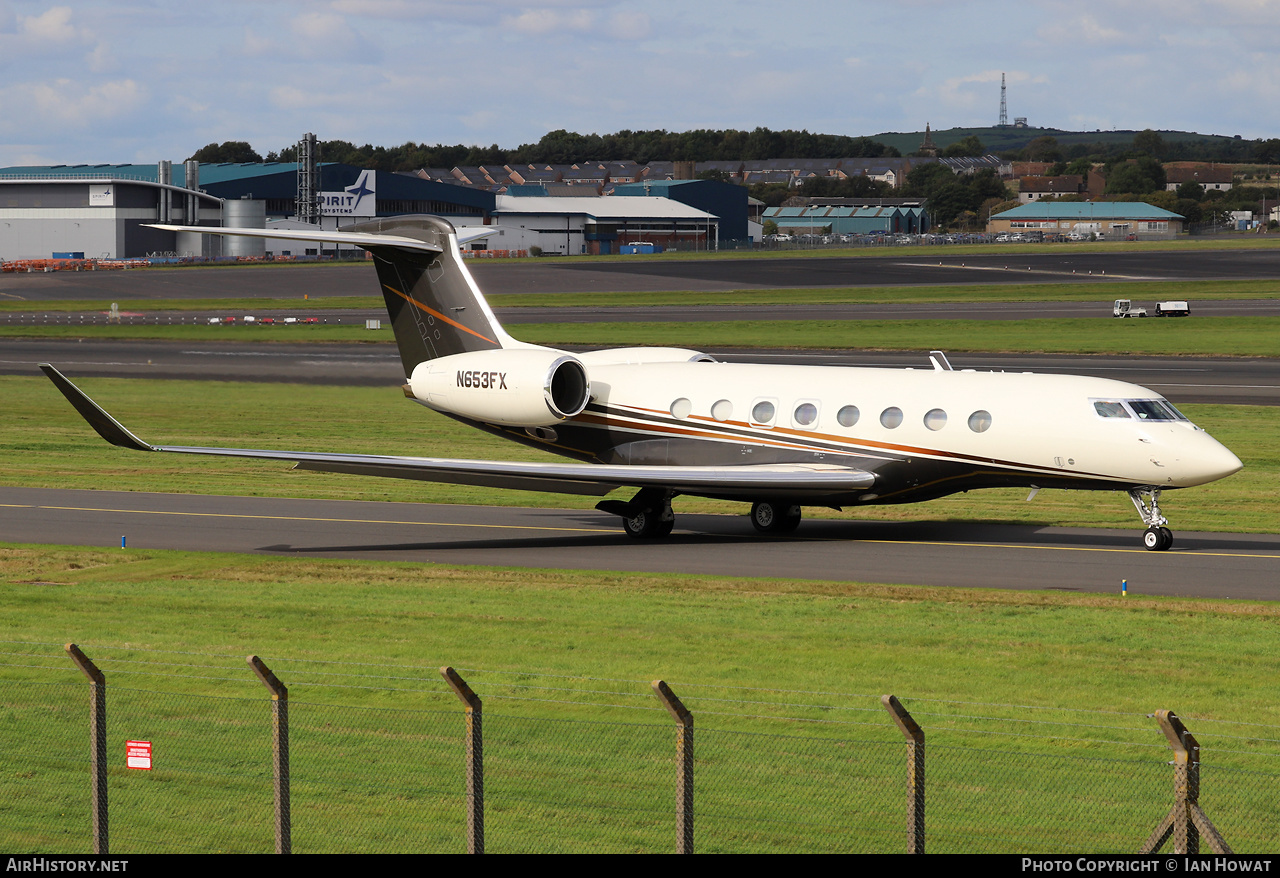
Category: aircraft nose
[1210,461]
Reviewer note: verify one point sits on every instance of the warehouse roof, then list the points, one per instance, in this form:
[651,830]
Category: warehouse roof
[607,207]
[1085,210]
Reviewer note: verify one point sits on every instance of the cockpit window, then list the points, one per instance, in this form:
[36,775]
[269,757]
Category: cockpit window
[1155,410]
[1142,409]
[1110,408]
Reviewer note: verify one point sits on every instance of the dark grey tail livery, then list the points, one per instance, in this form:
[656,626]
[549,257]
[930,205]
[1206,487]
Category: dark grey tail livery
[434,306]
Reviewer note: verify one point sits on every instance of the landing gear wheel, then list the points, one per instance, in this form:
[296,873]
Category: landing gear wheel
[1157,539]
[774,518]
[1168,537]
[648,525]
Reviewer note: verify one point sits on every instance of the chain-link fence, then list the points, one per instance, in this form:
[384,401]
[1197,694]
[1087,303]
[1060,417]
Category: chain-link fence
[346,757]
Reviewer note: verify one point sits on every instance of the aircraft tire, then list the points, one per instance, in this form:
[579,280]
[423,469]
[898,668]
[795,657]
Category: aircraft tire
[1157,539]
[768,517]
[647,525]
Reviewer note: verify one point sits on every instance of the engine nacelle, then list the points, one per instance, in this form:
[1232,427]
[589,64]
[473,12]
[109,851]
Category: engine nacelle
[516,387]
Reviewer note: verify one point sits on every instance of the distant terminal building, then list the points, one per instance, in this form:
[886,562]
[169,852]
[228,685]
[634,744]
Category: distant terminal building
[100,211]
[1113,219]
[103,211]
[594,224]
[853,216]
[347,194]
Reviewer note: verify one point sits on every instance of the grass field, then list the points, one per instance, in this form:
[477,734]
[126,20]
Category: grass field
[1033,703]
[1212,336]
[1103,292]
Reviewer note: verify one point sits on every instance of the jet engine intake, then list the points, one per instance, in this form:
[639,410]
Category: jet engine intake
[514,387]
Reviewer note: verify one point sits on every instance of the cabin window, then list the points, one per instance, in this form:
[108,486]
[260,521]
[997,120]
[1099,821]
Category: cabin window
[935,419]
[848,415]
[980,421]
[762,412]
[722,410]
[805,414]
[891,417]
[1110,408]
[681,408]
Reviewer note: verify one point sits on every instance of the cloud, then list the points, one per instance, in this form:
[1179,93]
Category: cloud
[53,25]
[65,103]
[540,22]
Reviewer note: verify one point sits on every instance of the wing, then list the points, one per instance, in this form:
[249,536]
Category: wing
[793,480]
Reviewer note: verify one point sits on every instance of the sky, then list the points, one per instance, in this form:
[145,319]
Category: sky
[119,82]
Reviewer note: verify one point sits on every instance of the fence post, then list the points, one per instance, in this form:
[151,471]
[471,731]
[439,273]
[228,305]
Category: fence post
[475,760]
[279,751]
[684,765]
[915,771]
[1186,822]
[97,745]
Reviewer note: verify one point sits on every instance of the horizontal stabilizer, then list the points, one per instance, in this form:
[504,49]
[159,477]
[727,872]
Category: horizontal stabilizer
[358,239]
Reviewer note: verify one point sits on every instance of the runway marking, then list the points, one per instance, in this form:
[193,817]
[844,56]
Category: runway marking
[612,530]
[1182,554]
[330,520]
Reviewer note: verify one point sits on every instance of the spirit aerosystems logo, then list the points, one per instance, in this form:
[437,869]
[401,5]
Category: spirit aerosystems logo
[358,199]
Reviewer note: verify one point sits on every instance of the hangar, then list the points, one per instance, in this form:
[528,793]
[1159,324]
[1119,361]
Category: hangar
[98,210]
[102,211]
[1113,219]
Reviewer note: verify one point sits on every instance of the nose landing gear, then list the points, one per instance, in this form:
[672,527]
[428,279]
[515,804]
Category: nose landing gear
[1157,537]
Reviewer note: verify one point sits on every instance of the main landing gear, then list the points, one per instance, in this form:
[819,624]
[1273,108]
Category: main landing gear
[772,517]
[1157,537]
[646,516]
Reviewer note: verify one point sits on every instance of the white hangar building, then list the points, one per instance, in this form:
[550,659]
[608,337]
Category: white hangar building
[100,211]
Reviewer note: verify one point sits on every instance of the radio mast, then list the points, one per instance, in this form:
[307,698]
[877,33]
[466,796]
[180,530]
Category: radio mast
[1004,108]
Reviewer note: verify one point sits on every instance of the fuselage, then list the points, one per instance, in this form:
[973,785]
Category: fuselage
[924,433]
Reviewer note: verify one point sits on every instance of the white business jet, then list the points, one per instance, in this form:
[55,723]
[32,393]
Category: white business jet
[669,421]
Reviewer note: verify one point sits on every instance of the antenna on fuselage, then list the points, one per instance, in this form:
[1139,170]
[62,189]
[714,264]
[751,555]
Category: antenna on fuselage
[940,362]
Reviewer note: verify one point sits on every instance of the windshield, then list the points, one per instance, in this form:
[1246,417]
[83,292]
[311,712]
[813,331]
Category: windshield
[1142,409]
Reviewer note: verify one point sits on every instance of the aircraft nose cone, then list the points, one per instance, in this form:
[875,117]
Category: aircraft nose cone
[1211,461]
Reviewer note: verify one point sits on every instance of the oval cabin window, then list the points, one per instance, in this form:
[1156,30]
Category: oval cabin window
[935,419]
[980,421]
[891,417]
[762,412]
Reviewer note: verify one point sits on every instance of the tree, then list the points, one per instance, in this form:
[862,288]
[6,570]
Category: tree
[965,146]
[1191,189]
[1043,149]
[769,227]
[1135,177]
[1081,166]
[1267,151]
[1149,143]
[229,151]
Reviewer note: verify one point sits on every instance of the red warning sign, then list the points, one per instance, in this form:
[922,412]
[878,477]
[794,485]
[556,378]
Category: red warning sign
[137,754]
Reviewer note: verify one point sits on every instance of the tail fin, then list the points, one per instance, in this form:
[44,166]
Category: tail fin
[436,309]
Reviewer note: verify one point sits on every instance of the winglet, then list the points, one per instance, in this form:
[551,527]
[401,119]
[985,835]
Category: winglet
[108,427]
